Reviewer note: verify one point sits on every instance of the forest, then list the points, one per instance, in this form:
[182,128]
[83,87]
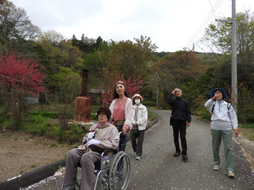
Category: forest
[48,67]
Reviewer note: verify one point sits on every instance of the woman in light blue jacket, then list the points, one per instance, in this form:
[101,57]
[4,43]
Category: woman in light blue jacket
[138,122]
[223,121]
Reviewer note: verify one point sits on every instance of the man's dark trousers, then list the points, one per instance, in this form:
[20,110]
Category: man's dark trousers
[180,126]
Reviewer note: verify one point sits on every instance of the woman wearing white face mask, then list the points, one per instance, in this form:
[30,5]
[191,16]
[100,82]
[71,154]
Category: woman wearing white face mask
[138,122]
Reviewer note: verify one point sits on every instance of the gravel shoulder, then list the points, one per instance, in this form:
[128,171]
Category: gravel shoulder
[21,153]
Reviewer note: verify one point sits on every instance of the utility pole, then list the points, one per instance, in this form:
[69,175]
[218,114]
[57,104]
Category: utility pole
[234,59]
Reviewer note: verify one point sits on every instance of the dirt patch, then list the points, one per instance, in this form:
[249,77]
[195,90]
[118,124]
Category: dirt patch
[21,153]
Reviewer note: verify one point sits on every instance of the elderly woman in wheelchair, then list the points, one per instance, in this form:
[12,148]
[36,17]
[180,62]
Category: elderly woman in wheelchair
[99,145]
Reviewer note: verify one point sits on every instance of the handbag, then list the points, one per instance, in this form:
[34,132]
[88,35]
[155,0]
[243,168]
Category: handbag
[119,124]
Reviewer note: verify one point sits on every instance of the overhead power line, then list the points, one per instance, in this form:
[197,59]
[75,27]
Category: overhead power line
[205,21]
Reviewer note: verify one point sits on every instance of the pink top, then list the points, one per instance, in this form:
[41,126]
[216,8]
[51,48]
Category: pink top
[122,110]
[119,110]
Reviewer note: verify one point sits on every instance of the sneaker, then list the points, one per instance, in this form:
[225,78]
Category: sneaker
[177,154]
[134,153]
[185,158]
[216,168]
[231,174]
[137,157]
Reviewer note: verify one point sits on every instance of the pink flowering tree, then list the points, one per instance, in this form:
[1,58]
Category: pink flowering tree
[132,84]
[19,78]
[20,74]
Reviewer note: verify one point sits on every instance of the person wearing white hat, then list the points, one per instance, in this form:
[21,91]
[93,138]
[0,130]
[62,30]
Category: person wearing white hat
[138,122]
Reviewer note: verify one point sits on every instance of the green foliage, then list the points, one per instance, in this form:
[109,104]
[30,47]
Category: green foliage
[45,126]
[36,125]
[248,126]
[16,31]
[73,135]
[94,116]
[245,108]
[149,103]
[51,115]
[206,117]
[151,116]
[66,85]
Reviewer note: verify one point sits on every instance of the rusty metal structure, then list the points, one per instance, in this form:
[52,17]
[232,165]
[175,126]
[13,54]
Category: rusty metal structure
[83,104]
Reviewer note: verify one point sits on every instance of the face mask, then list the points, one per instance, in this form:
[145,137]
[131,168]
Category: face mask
[137,101]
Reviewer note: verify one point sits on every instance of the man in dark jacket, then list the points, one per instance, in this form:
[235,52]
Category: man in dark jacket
[180,119]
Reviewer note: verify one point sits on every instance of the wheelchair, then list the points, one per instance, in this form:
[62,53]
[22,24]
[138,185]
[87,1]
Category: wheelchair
[112,171]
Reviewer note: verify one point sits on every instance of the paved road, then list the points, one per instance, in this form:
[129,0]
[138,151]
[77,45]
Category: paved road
[159,170]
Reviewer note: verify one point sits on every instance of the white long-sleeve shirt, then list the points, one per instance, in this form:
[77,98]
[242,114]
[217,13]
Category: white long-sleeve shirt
[142,116]
[223,118]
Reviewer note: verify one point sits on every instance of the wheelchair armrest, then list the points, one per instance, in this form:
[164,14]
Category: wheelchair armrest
[108,151]
[102,150]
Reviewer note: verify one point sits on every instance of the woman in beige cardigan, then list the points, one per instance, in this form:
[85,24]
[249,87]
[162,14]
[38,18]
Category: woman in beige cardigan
[101,136]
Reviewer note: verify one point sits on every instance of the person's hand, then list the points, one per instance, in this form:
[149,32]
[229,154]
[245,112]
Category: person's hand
[125,129]
[236,132]
[90,135]
[173,92]
[93,141]
[215,96]
[187,124]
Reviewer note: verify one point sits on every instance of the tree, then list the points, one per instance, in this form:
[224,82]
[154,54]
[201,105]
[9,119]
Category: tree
[67,85]
[55,53]
[175,70]
[183,66]
[19,78]
[218,37]
[86,45]
[21,74]
[16,30]
[131,58]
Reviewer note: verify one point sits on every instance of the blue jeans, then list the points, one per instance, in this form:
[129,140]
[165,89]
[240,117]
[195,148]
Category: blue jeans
[122,141]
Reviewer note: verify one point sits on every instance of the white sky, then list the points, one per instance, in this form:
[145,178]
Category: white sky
[171,24]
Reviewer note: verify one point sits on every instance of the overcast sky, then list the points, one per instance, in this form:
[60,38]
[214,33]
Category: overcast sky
[171,24]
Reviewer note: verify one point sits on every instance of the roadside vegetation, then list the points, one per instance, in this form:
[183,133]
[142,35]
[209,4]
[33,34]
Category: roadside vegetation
[41,73]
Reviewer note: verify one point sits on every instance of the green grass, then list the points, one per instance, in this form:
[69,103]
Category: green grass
[33,166]
[151,116]
[247,130]
[248,126]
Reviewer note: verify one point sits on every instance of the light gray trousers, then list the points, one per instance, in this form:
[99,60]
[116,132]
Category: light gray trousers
[77,158]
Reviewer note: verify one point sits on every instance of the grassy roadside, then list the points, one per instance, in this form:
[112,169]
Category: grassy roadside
[44,120]
[248,133]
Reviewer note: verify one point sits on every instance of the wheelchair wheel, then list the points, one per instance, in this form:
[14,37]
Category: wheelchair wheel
[119,173]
